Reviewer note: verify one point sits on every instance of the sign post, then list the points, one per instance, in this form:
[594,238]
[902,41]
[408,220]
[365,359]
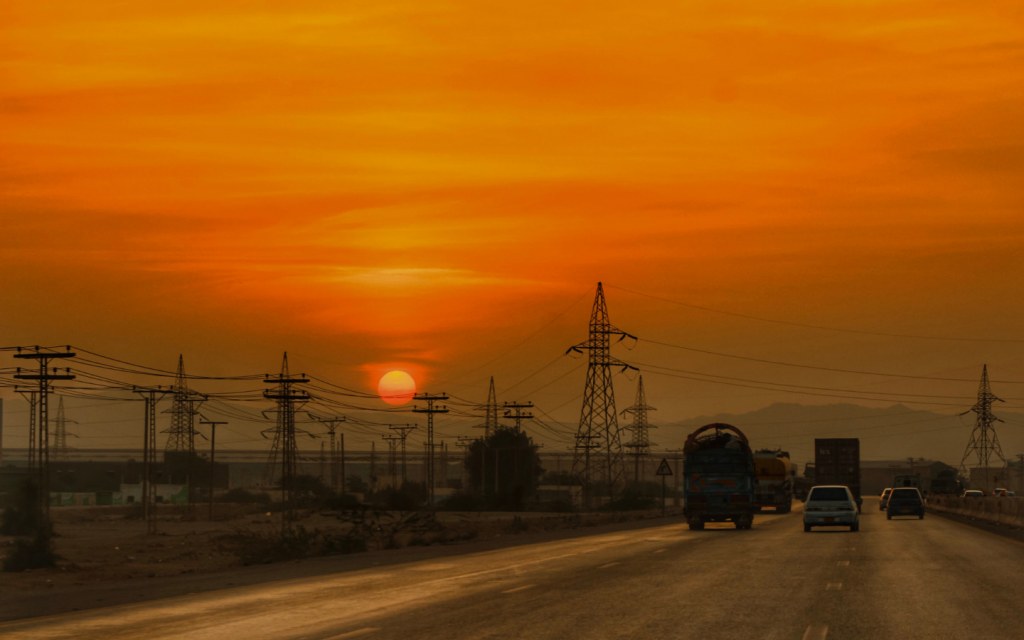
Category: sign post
[664,470]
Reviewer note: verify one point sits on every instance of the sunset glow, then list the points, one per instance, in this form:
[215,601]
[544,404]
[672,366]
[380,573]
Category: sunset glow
[440,185]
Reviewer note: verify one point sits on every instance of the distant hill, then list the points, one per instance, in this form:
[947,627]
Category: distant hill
[888,433]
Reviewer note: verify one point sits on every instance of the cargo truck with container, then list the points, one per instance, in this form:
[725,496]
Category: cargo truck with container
[776,476]
[837,462]
[719,480]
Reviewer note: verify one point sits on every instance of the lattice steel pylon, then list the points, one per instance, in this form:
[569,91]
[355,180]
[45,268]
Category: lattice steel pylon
[61,433]
[640,445]
[490,411]
[599,427]
[181,434]
[984,442]
[287,397]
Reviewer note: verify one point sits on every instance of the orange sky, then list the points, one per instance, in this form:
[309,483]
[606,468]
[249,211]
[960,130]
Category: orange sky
[440,185]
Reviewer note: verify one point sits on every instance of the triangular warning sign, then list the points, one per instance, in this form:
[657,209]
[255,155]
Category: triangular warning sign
[663,468]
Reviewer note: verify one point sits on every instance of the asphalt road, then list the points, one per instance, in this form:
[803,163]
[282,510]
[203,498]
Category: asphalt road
[905,578]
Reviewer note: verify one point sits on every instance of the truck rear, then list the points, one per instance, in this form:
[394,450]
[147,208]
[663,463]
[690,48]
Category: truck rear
[718,469]
[837,461]
[776,475]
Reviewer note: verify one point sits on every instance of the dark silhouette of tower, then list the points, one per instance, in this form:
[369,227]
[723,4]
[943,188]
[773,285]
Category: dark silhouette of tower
[181,433]
[490,411]
[598,451]
[61,433]
[983,443]
[640,445]
[286,396]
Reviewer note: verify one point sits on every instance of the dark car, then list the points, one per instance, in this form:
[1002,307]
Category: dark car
[884,498]
[905,501]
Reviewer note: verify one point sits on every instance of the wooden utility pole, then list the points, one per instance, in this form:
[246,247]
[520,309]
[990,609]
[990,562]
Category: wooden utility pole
[44,377]
[213,451]
[430,410]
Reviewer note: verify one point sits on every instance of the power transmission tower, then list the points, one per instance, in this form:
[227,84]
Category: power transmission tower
[286,396]
[984,442]
[490,411]
[599,426]
[181,433]
[489,426]
[430,410]
[515,411]
[44,377]
[61,432]
[640,445]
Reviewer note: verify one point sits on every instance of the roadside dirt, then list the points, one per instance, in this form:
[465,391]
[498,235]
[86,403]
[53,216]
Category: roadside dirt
[106,556]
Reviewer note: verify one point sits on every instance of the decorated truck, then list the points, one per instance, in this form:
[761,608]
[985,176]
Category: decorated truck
[718,477]
[776,475]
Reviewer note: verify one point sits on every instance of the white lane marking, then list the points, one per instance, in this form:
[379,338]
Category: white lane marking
[354,634]
[843,563]
[816,632]
[607,566]
[517,589]
[834,586]
[660,550]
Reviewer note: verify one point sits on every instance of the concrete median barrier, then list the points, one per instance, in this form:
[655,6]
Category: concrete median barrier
[1008,511]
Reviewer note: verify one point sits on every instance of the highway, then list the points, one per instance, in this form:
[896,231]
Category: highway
[905,578]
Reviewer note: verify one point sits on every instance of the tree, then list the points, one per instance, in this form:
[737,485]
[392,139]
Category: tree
[504,468]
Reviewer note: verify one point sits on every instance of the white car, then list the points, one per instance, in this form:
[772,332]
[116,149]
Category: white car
[829,506]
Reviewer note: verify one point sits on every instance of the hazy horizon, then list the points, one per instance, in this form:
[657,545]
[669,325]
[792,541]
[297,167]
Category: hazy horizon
[785,202]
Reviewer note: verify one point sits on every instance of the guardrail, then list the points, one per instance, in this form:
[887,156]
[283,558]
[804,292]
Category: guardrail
[1007,511]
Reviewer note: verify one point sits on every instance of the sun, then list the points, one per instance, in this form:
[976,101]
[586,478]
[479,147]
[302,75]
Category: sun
[396,387]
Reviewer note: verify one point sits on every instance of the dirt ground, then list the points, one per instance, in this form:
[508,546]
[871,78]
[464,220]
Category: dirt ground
[106,556]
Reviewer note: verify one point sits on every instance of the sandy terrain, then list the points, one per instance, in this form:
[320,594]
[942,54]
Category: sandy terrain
[106,556]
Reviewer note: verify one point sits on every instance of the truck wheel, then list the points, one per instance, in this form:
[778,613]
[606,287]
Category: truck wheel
[855,527]
[695,524]
[807,528]
[888,516]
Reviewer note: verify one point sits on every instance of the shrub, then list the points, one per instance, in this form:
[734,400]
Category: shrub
[31,553]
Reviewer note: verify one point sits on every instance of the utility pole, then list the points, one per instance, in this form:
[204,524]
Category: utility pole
[403,432]
[30,396]
[640,445]
[392,441]
[213,451]
[984,442]
[333,456]
[598,426]
[149,454]
[286,397]
[430,410]
[44,377]
[514,410]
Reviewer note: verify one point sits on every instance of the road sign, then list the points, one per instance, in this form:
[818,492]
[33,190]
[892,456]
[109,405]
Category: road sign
[663,468]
